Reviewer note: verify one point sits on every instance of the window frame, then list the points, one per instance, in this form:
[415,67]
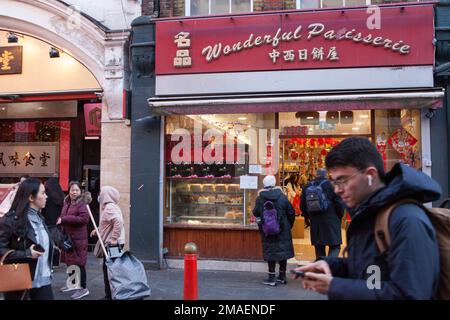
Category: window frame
[187,7]
[298,3]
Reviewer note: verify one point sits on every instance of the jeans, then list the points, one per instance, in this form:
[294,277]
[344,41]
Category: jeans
[43,293]
[333,251]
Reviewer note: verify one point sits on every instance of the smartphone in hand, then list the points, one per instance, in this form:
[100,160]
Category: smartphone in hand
[297,274]
[38,248]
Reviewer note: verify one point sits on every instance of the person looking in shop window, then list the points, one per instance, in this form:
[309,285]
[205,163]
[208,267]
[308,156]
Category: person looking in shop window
[325,222]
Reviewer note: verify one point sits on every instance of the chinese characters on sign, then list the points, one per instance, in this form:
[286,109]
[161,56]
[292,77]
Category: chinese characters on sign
[10,60]
[316,54]
[182,58]
[29,158]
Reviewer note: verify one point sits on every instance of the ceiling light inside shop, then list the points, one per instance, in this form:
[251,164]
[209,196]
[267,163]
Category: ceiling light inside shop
[12,38]
[309,118]
[364,116]
[54,53]
[3,108]
[359,123]
[356,128]
[242,118]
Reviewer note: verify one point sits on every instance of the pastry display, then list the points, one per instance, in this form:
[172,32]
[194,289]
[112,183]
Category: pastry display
[184,188]
[196,188]
[208,188]
[233,188]
[211,199]
[220,188]
[202,199]
[229,215]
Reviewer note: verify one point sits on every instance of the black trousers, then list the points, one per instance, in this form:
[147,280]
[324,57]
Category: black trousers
[43,293]
[282,263]
[333,251]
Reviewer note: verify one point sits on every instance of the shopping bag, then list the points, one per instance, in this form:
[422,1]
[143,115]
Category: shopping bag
[127,278]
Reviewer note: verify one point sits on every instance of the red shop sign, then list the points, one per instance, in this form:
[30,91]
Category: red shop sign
[296,40]
[93,119]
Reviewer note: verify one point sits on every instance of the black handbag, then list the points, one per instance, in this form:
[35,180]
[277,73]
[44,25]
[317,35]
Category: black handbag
[61,239]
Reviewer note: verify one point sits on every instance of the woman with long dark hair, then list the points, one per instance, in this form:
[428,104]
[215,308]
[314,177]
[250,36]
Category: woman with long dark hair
[55,201]
[23,230]
[74,219]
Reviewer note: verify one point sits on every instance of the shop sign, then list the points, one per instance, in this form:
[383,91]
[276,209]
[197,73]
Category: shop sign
[296,40]
[31,158]
[294,131]
[93,119]
[10,60]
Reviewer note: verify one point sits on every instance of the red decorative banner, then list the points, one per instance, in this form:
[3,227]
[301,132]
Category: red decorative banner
[297,40]
[93,119]
[64,155]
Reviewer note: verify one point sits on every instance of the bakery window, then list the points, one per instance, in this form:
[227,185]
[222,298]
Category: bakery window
[205,157]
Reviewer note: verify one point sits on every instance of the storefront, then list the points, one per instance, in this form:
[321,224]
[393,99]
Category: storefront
[246,95]
[50,115]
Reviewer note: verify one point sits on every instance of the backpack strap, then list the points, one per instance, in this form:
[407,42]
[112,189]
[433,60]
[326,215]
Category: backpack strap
[382,234]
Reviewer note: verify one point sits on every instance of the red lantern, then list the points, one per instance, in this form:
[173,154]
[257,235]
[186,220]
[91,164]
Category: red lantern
[323,152]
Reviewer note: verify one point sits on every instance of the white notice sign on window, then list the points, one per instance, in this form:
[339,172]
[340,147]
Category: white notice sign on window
[249,182]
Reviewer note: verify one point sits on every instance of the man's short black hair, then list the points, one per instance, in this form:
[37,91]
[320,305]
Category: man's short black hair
[357,152]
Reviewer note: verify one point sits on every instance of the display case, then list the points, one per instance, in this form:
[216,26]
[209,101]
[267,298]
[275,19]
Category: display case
[206,201]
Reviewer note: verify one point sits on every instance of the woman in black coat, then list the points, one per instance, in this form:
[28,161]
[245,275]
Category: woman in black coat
[22,229]
[325,226]
[55,200]
[276,247]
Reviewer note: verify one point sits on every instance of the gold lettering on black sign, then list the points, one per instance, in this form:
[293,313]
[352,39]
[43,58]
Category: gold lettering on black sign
[10,60]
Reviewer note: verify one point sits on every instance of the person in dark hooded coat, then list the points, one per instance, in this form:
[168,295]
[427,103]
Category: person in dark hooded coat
[410,268]
[276,247]
[326,225]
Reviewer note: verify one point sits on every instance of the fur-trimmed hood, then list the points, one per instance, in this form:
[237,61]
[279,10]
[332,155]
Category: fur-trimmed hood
[271,194]
[85,197]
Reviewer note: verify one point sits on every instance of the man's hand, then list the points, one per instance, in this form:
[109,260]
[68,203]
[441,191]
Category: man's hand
[317,282]
[317,276]
[58,222]
[317,267]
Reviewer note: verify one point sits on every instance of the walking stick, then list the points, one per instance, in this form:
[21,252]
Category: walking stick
[98,233]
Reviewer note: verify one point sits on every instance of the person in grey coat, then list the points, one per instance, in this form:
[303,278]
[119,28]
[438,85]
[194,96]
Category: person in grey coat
[325,226]
[276,247]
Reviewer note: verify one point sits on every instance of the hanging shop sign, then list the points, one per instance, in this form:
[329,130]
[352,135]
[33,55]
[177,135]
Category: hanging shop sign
[10,60]
[93,119]
[296,40]
[31,158]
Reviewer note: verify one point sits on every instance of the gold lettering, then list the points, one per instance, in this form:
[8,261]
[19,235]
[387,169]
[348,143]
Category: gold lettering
[405,49]
[315,29]
[378,41]
[329,35]
[297,34]
[287,36]
[368,39]
[212,52]
[276,39]
[226,50]
[248,43]
[387,43]
[358,37]
[349,34]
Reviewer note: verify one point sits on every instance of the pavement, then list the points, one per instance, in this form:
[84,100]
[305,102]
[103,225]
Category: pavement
[212,285]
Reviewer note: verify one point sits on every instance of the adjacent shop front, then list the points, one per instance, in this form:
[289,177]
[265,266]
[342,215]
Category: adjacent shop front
[249,95]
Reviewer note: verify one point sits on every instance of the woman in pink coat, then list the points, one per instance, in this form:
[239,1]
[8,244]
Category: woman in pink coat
[111,227]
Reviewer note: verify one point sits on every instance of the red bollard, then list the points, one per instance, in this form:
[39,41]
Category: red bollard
[190,272]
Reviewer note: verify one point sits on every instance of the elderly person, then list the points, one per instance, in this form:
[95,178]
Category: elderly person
[111,228]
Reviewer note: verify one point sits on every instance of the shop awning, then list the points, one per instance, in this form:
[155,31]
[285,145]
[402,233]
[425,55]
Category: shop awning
[319,101]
